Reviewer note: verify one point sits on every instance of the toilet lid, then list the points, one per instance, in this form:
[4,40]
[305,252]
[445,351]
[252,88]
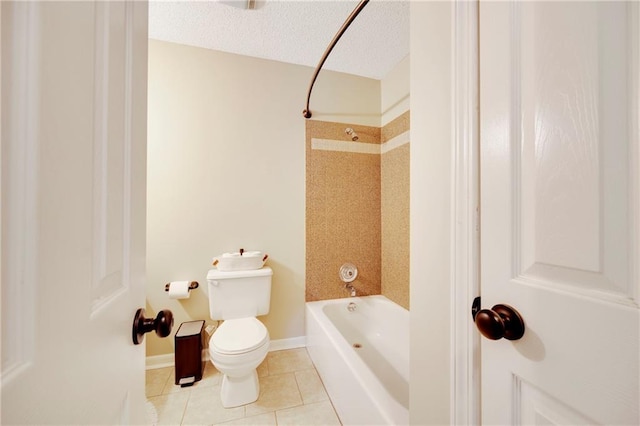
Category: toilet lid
[237,336]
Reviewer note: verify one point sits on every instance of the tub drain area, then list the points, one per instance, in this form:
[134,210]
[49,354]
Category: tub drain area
[357,345]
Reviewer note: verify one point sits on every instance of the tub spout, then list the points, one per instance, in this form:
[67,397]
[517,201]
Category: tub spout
[351,289]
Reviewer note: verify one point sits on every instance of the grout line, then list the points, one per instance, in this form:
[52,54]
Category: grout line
[295,377]
[170,377]
[186,405]
[166,387]
[325,390]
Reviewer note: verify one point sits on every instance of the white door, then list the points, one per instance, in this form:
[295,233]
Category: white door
[560,213]
[73,211]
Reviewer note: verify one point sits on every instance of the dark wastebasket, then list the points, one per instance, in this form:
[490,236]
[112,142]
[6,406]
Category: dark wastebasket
[189,341]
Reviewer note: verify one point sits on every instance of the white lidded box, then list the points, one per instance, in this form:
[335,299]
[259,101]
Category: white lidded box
[240,261]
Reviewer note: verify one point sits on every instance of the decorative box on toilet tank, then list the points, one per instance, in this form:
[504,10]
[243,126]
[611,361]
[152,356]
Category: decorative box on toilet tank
[189,342]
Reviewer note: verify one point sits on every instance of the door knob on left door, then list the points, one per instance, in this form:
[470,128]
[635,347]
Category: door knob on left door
[162,325]
[500,321]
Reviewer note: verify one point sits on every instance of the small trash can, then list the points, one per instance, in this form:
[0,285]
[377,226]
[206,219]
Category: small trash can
[189,341]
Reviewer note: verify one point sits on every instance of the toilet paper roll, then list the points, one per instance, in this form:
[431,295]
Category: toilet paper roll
[179,290]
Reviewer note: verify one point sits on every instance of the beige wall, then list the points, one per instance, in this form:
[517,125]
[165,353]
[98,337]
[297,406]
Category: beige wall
[226,169]
[431,238]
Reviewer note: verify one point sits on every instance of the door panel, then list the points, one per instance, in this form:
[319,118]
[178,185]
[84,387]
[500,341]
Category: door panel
[534,407]
[573,81]
[559,200]
[112,152]
[73,211]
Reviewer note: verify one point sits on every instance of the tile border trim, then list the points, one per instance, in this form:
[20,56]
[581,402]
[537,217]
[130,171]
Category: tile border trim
[360,147]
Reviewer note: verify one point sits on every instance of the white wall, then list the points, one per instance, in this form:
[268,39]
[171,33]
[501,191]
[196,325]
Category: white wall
[394,92]
[226,169]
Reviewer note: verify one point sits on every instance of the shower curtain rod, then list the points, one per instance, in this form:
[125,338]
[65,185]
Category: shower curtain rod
[307,112]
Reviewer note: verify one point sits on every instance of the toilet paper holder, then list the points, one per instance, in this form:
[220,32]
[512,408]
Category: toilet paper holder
[192,286]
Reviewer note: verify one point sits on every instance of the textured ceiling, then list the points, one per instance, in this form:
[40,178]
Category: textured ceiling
[293,31]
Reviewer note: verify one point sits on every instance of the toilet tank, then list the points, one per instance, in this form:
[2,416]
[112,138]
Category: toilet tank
[239,294]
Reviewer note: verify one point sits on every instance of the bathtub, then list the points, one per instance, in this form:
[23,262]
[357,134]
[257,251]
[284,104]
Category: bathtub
[362,357]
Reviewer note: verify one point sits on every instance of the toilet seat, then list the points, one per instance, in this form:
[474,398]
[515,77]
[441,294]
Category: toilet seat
[238,336]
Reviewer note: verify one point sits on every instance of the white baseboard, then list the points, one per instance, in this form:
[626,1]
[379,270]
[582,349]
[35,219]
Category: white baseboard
[159,361]
[291,343]
[166,360]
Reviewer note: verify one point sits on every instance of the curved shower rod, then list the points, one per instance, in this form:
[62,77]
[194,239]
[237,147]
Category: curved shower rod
[307,112]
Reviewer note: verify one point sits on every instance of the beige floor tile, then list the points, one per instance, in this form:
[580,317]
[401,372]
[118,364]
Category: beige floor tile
[276,392]
[210,377]
[156,379]
[266,419]
[287,381]
[319,413]
[205,408]
[288,361]
[263,368]
[310,386]
[170,384]
[170,408]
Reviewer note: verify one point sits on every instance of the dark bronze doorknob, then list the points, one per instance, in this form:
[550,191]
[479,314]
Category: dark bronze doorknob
[500,321]
[162,325]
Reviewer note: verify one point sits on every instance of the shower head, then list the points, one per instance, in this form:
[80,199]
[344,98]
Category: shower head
[349,131]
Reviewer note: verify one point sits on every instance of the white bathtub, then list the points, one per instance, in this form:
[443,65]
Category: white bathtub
[370,384]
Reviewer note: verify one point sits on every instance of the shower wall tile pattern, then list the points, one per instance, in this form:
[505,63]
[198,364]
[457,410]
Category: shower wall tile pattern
[357,211]
[395,215]
[342,213]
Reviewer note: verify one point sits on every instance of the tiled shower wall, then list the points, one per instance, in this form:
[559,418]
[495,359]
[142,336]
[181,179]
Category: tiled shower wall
[395,213]
[342,212]
[357,211]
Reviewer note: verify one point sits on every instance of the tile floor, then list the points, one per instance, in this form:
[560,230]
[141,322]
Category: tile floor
[291,393]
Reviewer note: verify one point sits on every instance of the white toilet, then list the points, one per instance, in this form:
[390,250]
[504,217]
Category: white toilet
[241,342]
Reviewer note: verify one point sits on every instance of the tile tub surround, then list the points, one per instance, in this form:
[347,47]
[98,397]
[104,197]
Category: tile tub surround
[357,209]
[291,393]
[342,212]
[394,177]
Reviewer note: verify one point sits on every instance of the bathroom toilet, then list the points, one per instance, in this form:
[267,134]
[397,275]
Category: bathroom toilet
[240,344]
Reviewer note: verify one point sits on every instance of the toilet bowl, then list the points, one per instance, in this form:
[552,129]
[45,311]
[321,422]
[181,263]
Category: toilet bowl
[240,344]
[236,349]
